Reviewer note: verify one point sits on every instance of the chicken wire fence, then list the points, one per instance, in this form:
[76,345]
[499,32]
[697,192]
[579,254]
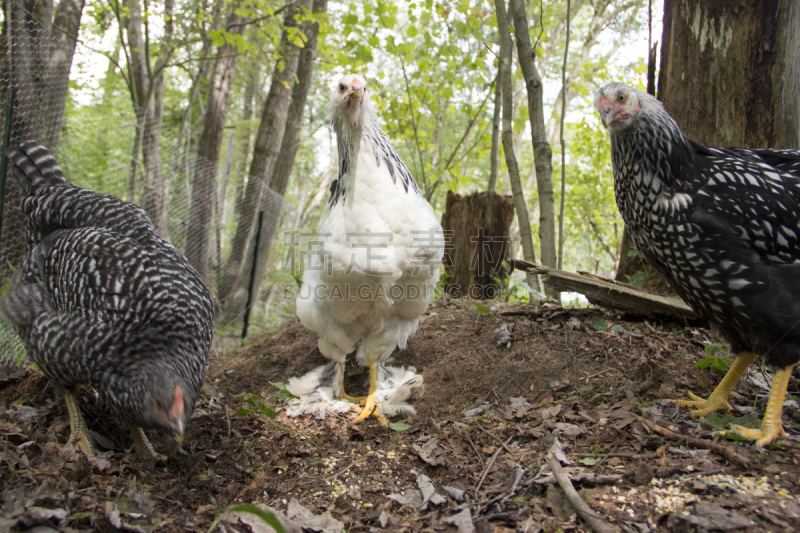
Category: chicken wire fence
[99,157]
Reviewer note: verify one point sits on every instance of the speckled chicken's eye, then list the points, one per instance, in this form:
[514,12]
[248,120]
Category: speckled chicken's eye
[621,98]
[342,87]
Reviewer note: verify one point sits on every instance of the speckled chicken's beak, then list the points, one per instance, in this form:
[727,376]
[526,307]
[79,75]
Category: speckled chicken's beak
[607,115]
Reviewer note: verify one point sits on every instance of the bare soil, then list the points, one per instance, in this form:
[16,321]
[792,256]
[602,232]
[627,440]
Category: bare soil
[489,415]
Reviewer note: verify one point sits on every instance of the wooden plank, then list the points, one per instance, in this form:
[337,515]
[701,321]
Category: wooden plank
[611,294]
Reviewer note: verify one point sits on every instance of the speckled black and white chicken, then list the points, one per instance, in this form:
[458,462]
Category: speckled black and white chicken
[722,227]
[380,248]
[101,299]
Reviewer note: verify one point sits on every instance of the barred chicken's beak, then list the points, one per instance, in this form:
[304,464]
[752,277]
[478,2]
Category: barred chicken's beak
[178,431]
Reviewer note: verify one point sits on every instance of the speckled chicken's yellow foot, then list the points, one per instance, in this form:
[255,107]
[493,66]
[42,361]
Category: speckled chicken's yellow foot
[718,401]
[79,436]
[143,446]
[771,426]
[703,406]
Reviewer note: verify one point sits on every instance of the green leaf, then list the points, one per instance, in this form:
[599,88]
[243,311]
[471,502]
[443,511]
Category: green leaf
[442,326]
[590,461]
[267,517]
[244,411]
[399,426]
[704,363]
[616,329]
[600,325]
[350,18]
[412,31]
[481,308]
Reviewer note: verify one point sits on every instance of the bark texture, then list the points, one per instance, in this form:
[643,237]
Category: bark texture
[730,71]
[476,247]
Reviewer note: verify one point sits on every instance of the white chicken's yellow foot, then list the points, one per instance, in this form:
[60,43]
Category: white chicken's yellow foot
[718,401]
[771,426]
[371,406]
[342,394]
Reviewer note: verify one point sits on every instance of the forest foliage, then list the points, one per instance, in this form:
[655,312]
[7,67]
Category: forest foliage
[432,67]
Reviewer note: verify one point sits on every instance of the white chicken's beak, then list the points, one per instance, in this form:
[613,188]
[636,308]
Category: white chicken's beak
[355,94]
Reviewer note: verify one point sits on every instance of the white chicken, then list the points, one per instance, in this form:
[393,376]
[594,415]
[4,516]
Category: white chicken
[380,248]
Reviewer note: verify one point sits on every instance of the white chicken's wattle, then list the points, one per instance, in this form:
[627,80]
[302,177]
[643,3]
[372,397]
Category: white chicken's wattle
[380,248]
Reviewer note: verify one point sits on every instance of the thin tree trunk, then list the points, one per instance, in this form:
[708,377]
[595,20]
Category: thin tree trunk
[257,194]
[506,56]
[36,49]
[147,94]
[495,154]
[291,136]
[542,153]
[209,145]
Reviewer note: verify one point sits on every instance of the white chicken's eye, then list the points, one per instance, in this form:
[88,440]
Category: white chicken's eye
[342,87]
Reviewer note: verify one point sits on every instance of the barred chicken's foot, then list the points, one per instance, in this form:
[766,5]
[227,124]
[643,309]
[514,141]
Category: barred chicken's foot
[79,436]
[143,446]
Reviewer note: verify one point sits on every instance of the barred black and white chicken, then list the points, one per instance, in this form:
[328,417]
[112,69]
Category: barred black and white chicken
[380,248]
[722,226]
[101,299]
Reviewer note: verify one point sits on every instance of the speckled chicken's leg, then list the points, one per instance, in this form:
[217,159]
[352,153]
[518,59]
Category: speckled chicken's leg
[143,446]
[771,426]
[80,433]
[371,407]
[718,400]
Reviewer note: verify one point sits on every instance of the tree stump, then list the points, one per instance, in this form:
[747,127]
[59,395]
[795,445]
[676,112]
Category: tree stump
[477,241]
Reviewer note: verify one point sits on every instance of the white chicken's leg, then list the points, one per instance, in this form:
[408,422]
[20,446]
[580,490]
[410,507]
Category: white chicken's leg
[371,406]
[340,385]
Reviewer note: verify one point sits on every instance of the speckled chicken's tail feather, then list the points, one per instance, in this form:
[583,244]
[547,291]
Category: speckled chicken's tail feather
[34,168]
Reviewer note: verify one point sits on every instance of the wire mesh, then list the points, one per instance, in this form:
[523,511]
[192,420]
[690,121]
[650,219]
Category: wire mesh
[101,157]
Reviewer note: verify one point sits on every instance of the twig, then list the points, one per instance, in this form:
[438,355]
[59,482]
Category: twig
[598,463]
[23,396]
[475,449]
[228,417]
[343,470]
[574,498]
[489,466]
[495,437]
[584,477]
[717,448]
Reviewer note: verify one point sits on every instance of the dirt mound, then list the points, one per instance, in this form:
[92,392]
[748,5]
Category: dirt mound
[503,383]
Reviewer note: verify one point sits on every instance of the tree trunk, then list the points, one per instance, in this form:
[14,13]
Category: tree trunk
[209,145]
[147,94]
[291,135]
[730,71]
[36,50]
[479,246]
[506,57]
[542,153]
[258,196]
